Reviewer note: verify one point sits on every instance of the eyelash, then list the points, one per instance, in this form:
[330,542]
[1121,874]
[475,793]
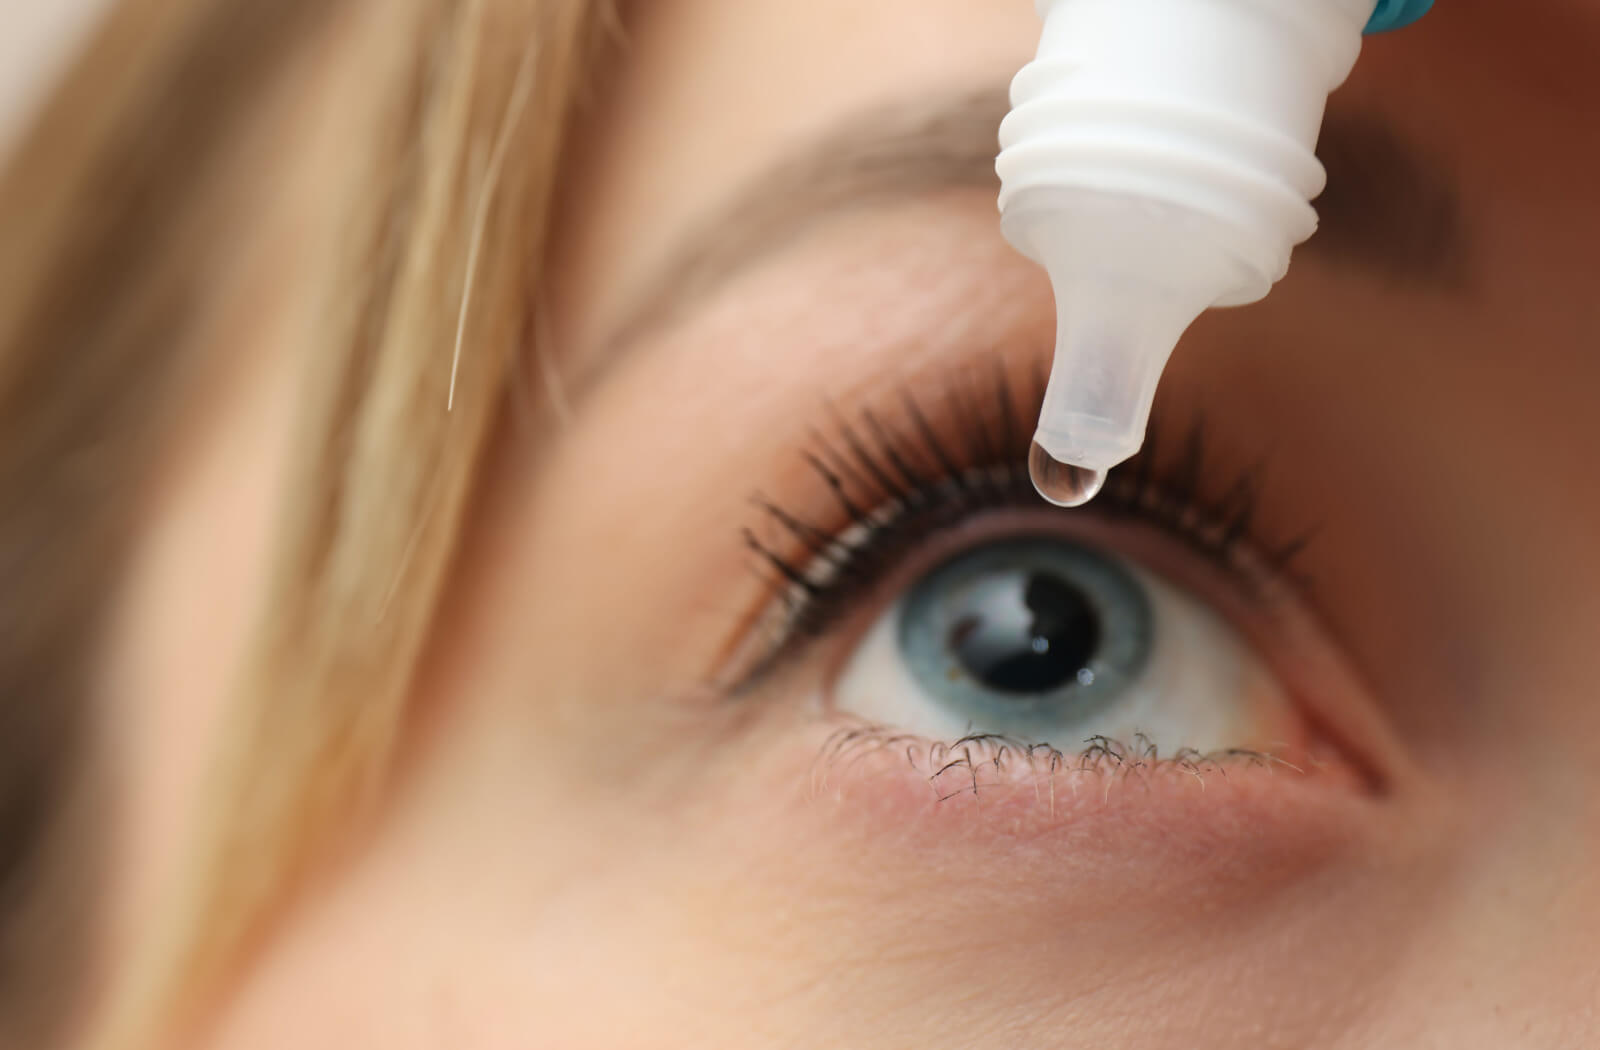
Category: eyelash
[895,485]
[963,766]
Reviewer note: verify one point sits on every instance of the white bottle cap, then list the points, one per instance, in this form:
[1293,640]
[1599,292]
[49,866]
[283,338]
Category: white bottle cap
[1158,160]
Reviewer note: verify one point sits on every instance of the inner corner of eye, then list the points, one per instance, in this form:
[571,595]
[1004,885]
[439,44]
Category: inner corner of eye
[1054,641]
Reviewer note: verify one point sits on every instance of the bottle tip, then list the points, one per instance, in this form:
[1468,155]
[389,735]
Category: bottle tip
[1062,484]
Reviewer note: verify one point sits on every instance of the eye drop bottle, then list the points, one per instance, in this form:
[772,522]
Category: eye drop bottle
[1159,160]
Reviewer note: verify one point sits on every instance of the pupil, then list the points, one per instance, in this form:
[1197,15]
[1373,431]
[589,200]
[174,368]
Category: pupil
[1029,633]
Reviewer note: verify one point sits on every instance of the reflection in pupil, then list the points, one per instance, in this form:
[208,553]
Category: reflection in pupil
[1026,634]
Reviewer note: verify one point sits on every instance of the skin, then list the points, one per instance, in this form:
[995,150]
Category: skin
[588,848]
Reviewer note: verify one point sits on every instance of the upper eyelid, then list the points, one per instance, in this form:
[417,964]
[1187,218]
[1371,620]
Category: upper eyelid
[818,575]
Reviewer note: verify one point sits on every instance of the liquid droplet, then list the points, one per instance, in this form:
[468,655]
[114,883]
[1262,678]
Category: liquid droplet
[1062,483]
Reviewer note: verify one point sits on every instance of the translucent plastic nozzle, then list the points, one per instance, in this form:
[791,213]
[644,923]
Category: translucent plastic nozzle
[1129,277]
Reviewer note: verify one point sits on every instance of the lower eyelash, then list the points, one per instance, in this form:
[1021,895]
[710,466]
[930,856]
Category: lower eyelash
[893,485]
[969,765]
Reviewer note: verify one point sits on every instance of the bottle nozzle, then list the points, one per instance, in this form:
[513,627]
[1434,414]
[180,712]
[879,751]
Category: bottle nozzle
[1114,337]
[1129,278]
[1110,351]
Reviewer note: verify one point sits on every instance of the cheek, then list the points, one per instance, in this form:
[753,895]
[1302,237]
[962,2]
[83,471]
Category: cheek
[789,902]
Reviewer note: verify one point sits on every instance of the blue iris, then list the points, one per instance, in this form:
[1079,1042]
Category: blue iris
[1028,636]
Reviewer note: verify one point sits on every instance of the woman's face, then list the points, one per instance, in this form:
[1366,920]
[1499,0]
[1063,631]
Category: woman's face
[769,707]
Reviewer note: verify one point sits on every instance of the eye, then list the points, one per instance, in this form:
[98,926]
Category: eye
[949,604]
[1046,639]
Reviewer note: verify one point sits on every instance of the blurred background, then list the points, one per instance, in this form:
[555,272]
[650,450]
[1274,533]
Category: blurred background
[36,36]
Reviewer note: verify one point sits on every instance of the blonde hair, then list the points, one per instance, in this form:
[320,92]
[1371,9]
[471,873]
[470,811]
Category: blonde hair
[447,202]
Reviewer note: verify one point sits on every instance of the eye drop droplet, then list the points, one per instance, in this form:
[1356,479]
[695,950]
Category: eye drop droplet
[1062,483]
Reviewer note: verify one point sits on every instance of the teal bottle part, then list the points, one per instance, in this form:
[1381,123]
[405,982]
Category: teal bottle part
[1392,14]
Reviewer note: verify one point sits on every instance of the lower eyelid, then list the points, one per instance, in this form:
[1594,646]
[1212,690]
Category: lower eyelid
[1041,785]
[1072,817]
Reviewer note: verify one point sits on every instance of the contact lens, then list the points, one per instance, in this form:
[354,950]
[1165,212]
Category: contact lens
[1062,483]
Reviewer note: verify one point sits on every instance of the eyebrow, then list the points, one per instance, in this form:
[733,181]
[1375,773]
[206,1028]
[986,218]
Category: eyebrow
[1389,210]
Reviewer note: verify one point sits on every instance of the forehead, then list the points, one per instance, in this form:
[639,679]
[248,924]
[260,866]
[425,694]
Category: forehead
[702,94]
[705,93]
